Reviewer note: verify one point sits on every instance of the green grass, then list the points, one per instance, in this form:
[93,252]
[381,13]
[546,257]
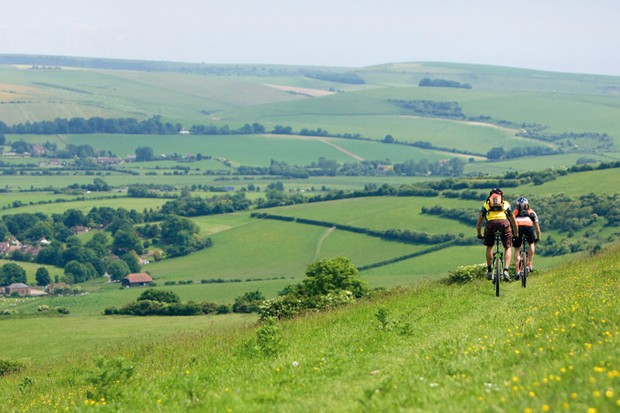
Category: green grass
[439,348]
[75,337]
[99,296]
[139,204]
[258,249]
[380,213]
[31,269]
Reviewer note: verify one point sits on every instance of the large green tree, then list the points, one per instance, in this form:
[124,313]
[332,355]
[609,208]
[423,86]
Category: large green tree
[333,275]
[118,269]
[144,153]
[76,272]
[12,273]
[42,276]
[126,239]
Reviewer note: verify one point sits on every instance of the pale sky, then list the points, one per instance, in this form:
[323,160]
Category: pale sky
[581,36]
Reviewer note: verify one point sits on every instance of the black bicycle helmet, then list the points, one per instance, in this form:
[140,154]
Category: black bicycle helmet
[496,191]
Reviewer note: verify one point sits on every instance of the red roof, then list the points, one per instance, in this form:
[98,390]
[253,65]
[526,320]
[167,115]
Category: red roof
[139,277]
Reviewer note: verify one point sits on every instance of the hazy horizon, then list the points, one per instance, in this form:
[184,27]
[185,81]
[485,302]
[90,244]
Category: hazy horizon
[555,35]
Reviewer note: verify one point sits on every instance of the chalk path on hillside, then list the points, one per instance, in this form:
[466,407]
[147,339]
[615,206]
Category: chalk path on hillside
[341,149]
[320,241]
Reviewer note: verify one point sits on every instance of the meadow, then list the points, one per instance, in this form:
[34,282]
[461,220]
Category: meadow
[429,348]
[420,346]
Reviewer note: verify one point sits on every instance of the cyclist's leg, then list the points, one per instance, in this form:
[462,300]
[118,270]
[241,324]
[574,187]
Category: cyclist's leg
[531,248]
[489,258]
[517,252]
[507,243]
[508,251]
[507,257]
[489,242]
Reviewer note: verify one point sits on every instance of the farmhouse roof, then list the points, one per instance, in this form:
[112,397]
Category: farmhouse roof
[18,285]
[139,277]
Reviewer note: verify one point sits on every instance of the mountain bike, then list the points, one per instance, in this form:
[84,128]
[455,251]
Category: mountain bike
[524,252]
[498,261]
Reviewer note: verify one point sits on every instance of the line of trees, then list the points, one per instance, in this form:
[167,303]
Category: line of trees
[346,77]
[432,108]
[427,82]
[78,125]
[577,214]
[395,234]
[326,167]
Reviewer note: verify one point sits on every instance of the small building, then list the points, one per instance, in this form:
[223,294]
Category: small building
[137,279]
[19,288]
[79,229]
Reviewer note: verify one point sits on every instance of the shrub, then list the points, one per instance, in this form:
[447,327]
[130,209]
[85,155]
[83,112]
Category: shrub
[177,309]
[269,338]
[223,309]
[111,311]
[7,367]
[248,302]
[142,308]
[161,296]
[284,306]
[109,377]
[208,308]
[467,273]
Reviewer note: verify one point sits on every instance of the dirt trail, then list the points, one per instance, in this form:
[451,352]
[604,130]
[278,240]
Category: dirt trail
[341,149]
[320,241]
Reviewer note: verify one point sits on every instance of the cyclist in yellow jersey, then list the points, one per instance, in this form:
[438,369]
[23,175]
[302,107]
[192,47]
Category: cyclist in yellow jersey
[498,215]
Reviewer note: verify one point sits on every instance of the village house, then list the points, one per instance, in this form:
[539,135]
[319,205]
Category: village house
[108,160]
[79,229]
[19,288]
[137,279]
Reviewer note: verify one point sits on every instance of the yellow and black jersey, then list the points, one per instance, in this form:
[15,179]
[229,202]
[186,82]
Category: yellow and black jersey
[495,215]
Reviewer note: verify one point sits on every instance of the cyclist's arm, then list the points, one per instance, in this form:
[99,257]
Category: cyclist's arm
[479,223]
[513,222]
[534,218]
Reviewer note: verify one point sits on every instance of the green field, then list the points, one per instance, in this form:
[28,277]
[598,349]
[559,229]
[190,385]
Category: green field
[430,348]
[441,352]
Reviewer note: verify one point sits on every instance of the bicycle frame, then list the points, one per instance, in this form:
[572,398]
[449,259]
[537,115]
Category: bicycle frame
[498,261]
[524,253]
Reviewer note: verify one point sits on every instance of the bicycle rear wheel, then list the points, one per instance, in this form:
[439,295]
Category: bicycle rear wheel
[524,267]
[498,272]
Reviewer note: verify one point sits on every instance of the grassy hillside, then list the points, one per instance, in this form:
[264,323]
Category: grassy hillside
[563,103]
[554,346]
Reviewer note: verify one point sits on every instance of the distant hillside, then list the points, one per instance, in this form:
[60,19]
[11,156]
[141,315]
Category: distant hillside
[511,116]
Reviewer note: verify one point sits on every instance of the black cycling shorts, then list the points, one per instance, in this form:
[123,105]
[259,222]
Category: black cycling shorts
[529,233]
